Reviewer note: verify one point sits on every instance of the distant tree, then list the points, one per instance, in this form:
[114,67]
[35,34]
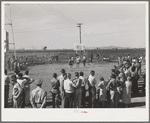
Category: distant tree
[45,48]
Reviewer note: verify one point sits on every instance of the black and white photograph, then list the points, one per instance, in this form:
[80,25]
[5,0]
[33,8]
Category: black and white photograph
[75,61]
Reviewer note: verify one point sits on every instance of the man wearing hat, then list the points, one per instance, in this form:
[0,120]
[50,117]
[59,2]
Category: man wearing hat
[38,96]
[62,91]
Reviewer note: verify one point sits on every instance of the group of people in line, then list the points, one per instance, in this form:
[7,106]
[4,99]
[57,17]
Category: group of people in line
[79,91]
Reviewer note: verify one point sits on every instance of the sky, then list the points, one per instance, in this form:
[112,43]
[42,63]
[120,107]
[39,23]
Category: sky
[55,24]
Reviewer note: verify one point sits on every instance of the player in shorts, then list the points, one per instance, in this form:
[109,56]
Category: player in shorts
[84,60]
[77,61]
[51,61]
[71,61]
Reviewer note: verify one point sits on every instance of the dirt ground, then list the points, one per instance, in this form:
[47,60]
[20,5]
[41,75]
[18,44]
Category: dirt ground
[46,71]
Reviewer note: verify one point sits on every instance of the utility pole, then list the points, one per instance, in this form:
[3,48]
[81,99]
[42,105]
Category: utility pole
[12,29]
[79,25]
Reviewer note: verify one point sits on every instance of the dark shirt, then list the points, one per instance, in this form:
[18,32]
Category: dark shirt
[55,85]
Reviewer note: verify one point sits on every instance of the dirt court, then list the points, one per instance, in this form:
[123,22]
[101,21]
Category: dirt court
[46,71]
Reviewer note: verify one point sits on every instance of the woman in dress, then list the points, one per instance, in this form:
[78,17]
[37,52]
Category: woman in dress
[126,95]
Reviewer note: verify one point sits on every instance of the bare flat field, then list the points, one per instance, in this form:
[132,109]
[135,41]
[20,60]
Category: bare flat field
[66,54]
[46,71]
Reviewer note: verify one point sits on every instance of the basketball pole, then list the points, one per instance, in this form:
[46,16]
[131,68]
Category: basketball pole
[79,25]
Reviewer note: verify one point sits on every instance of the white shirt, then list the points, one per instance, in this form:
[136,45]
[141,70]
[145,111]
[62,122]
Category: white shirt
[78,59]
[61,80]
[21,82]
[84,58]
[92,80]
[26,76]
[69,86]
[83,80]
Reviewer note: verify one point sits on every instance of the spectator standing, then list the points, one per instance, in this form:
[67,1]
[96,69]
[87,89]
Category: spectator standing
[22,82]
[77,91]
[122,75]
[55,91]
[120,86]
[108,93]
[126,95]
[112,85]
[138,66]
[83,89]
[6,89]
[62,91]
[69,91]
[134,77]
[17,93]
[92,89]
[27,87]
[38,96]
[116,70]
[103,92]
[87,86]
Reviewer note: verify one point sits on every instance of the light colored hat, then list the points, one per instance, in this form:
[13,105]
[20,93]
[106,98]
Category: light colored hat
[39,81]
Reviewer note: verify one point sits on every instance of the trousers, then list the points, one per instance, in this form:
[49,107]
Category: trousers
[114,99]
[62,99]
[92,97]
[68,100]
[77,98]
[6,95]
[83,96]
[55,98]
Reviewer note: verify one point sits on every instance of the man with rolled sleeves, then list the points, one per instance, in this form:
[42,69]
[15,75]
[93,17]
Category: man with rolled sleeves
[92,89]
[38,96]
